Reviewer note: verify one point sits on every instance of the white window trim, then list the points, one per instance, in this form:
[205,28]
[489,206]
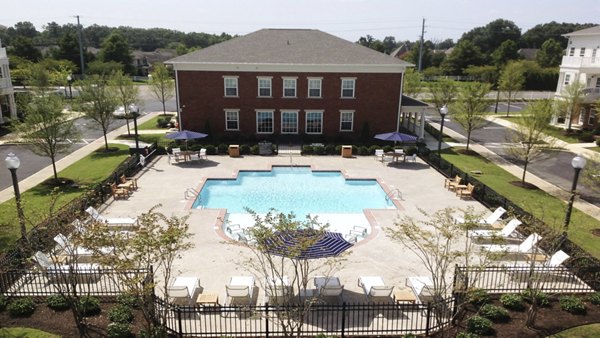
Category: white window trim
[593,116]
[572,51]
[567,79]
[283,79]
[306,121]
[270,78]
[582,52]
[289,111]
[237,85]
[272,111]
[237,111]
[320,88]
[342,112]
[342,87]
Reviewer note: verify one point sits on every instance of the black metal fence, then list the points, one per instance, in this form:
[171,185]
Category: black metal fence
[337,319]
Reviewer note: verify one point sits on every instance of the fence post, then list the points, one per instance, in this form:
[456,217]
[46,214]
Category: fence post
[267,319]
[179,322]
[343,319]
[428,319]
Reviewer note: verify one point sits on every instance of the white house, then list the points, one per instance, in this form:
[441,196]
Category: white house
[581,63]
[8,108]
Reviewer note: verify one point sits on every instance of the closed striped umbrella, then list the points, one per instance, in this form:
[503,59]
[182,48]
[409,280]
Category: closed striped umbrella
[307,244]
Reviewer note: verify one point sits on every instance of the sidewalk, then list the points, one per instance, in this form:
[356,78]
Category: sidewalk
[40,176]
[548,187]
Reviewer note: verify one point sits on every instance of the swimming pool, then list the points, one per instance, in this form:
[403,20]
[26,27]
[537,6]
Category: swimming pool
[293,189]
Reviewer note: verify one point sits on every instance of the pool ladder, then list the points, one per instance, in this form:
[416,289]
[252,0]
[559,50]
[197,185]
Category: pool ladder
[394,194]
[190,193]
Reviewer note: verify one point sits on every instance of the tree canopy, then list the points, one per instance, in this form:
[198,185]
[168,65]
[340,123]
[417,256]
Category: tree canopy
[492,35]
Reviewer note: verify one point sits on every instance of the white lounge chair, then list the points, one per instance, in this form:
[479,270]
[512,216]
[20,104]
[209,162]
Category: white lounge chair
[374,287]
[379,154]
[76,252]
[240,287]
[183,290]
[278,290]
[525,247]
[202,154]
[508,229]
[329,286]
[54,271]
[122,222]
[422,287]
[490,220]
[555,260]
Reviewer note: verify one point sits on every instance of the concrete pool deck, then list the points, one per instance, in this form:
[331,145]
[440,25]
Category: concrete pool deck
[214,259]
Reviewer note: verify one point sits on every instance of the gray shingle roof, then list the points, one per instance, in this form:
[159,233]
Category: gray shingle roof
[289,46]
[587,31]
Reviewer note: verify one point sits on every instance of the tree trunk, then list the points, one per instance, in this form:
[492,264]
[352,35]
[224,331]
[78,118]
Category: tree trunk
[497,100]
[468,139]
[164,107]
[524,170]
[508,106]
[105,141]
[128,131]
[54,167]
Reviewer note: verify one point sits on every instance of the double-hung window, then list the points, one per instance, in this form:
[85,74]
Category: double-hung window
[567,79]
[289,122]
[582,52]
[572,51]
[314,87]
[231,86]
[314,122]
[264,87]
[232,119]
[346,120]
[264,121]
[289,87]
[348,87]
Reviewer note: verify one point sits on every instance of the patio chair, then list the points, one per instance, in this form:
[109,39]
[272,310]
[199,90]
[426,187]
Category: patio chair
[118,193]
[240,288]
[183,290]
[399,151]
[129,183]
[553,261]
[452,183]
[202,154]
[374,288]
[176,152]
[378,155]
[490,220]
[525,247]
[278,290]
[508,229]
[411,158]
[125,221]
[76,252]
[194,156]
[465,192]
[329,287]
[422,287]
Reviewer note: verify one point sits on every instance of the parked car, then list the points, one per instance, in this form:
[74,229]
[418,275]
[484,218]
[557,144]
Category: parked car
[120,111]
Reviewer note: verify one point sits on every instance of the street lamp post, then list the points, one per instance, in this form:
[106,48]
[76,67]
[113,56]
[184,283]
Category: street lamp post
[137,144]
[443,112]
[12,163]
[578,163]
[69,80]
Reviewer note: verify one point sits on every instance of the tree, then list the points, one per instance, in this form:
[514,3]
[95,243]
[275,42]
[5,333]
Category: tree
[465,54]
[470,107]
[511,81]
[550,55]
[389,44]
[126,94]
[570,102]
[161,84]
[116,48]
[371,42]
[22,46]
[413,83]
[591,174]
[529,138]
[488,74]
[489,37]
[536,36]
[507,51]
[97,100]
[443,92]
[68,49]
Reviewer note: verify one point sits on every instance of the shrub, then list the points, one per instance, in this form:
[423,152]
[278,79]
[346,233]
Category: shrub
[3,303]
[373,148]
[411,151]
[478,297]
[163,122]
[319,150]
[129,300]
[572,304]
[598,142]
[512,302]
[387,149]
[23,307]
[362,150]
[586,136]
[594,298]
[119,330]
[211,150]
[57,302]
[330,149]
[222,148]
[494,313]
[354,149]
[307,150]
[466,335]
[479,325]
[541,297]
[338,150]
[120,314]
[89,306]
[244,149]
[254,149]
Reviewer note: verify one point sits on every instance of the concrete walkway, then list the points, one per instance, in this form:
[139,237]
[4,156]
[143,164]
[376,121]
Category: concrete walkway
[576,148]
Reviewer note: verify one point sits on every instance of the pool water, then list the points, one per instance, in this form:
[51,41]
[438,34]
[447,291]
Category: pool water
[293,189]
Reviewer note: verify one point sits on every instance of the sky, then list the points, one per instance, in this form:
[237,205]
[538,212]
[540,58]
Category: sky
[348,19]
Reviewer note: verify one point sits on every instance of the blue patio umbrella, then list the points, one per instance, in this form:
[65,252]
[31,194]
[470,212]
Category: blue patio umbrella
[396,137]
[307,244]
[185,135]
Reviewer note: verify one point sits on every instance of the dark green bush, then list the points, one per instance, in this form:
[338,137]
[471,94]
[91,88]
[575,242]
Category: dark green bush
[586,136]
[512,302]
[119,330]
[478,297]
[598,142]
[211,150]
[466,335]
[338,150]
[594,298]
[572,304]
[373,148]
[479,325]
[254,149]
[541,298]
[129,300]
[163,122]
[330,149]
[222,149]
[23,307]
[354,149]
[245,149]
[387,149]
[57,302]
[89,306]
[3,303]
[411,151]
[307,150]
[494,313]
[120,314]
[362,150]
[319,150]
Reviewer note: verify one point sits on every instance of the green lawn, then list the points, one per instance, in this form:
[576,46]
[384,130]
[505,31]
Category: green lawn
[596,149]
[21,332]
[91,169]
[584,331]
[151,124]
[544,206]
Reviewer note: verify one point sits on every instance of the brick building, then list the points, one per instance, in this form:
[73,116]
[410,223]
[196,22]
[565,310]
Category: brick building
[296,84]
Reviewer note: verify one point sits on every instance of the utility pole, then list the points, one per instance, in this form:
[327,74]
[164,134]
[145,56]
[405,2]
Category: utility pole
[421,46]
[79,36]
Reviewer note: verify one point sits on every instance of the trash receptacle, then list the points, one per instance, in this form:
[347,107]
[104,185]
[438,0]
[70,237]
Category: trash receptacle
[346,151]
[234,150]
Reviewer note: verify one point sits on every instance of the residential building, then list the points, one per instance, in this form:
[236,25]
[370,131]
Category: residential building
[290,84]
[581,63]
[8,107]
